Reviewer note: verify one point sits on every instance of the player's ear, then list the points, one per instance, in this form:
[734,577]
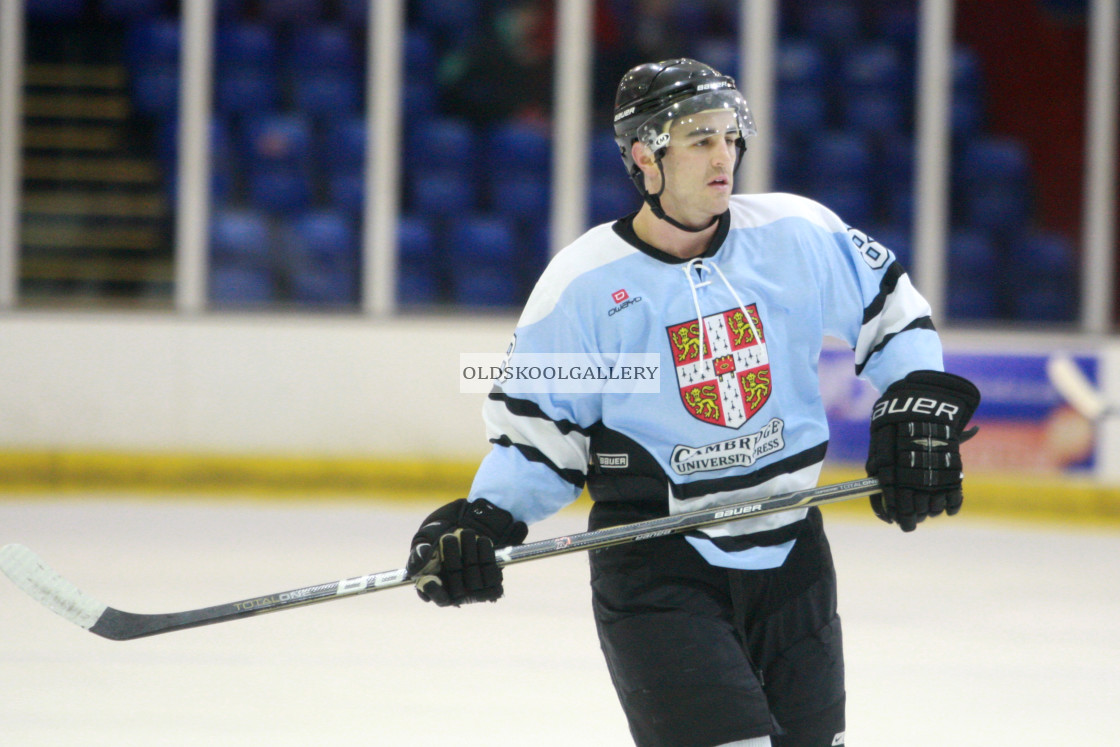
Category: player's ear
[645,160]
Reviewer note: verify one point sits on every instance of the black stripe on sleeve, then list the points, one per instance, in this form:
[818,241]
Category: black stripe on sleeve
[533,454]
[528,409]
[922,322]
[886,288]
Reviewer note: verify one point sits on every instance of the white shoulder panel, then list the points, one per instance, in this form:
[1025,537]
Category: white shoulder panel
[753,211]
[598,247]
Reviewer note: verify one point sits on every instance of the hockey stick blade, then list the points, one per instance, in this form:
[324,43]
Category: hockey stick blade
[38,580]
[1072,383]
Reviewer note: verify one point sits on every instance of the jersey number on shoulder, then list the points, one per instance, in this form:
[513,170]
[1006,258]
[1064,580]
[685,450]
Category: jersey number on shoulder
[873,253]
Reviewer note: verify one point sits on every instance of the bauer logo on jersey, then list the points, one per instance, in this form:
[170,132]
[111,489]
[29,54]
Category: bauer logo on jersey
[724,374]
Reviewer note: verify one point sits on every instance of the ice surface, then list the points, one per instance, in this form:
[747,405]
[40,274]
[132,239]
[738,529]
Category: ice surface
[962,633]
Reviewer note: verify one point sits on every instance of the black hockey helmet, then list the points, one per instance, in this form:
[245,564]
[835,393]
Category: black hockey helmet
[652,96]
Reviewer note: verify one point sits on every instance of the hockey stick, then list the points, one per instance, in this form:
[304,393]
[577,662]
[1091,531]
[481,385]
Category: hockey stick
[1072,383]
[31,574]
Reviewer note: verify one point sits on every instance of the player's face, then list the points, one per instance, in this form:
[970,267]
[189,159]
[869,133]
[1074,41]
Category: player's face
[700,165]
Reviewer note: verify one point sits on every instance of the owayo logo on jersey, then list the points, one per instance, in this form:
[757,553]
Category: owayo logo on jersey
[724,378]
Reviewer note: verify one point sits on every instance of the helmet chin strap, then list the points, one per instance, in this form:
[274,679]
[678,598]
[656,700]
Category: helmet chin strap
[654,202]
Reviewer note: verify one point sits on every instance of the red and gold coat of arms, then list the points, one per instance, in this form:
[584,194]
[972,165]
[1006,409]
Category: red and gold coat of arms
[723,375]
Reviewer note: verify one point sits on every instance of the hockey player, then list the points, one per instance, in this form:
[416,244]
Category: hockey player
[728,636]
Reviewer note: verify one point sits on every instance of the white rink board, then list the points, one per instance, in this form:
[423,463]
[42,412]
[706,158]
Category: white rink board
[963,633]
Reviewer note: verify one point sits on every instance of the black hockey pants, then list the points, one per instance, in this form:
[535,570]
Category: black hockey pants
[701,655]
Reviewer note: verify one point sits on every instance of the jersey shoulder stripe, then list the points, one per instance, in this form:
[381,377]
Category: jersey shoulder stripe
[597,247]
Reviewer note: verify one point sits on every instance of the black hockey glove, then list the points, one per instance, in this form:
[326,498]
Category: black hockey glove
[917,427]
[452,558]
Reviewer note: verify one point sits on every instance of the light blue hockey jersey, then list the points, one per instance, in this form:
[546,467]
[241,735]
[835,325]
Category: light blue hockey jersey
[738,332]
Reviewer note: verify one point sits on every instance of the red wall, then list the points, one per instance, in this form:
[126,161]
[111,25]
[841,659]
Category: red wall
[1034,70]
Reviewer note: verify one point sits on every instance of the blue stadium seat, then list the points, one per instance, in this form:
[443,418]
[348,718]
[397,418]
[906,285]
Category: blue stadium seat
[1046,276]
[974,277]
[55,10]
[280,191]
[241,286]
[279,140]
[221,187]
[246,91]
[833,157]
[897,161]
[291,11]
[347,192]
[972,303]
[419,101]
[967,72]
[834,24]
[478,240]
[326,94]
[323,48]
[873,68]
[131,9]
[416,288]
[245,45]
[610,198]
[483,257]
[898,24]
[344,145]
[996,206]
[485,287]
[875,113]
[154,41]
[230,10]
[354,12]
[994,178]
[521,198]
[420,56]
[323,239]
[443,143]
[992,159]
[1044,303]
[800,65]
[604,157]
[240,237]
[450,21]
[417,280]
[519,147]
[155,90]
[966,116]
[899,205]
[416,241]
[442,193]
[534,252]
[800,112]
[719,52]
[786,164]
[325,288]
[322,259]
[690,18]
[851,201]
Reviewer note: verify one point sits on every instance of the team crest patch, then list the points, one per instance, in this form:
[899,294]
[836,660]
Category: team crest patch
[724,378]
